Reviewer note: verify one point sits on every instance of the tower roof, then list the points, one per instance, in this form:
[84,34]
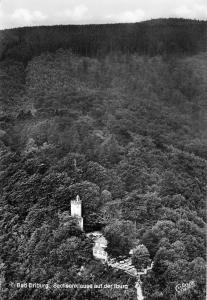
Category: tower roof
[77,199]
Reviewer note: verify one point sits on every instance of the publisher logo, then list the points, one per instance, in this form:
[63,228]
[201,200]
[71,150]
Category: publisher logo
[183,287]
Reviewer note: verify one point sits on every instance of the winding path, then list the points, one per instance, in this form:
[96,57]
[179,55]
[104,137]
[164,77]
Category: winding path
[99,252]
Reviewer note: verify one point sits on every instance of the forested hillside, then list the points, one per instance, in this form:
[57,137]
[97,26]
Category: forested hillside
[118,115]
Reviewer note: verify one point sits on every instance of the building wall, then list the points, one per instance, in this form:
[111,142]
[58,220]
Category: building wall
[76,209]
[99,248]
[80,223]
[100,253]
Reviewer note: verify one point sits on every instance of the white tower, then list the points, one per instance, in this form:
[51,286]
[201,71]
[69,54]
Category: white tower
[76,210]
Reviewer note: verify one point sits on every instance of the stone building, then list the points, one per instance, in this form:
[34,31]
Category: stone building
[76,211]
[99,248]
[100,244]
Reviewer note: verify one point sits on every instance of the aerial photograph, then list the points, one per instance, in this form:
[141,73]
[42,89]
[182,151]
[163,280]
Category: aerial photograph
[103,149]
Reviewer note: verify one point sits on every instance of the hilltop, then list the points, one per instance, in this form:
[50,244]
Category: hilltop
[155,37]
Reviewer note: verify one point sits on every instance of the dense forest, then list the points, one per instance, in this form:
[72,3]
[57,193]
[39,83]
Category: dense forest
[118,115]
